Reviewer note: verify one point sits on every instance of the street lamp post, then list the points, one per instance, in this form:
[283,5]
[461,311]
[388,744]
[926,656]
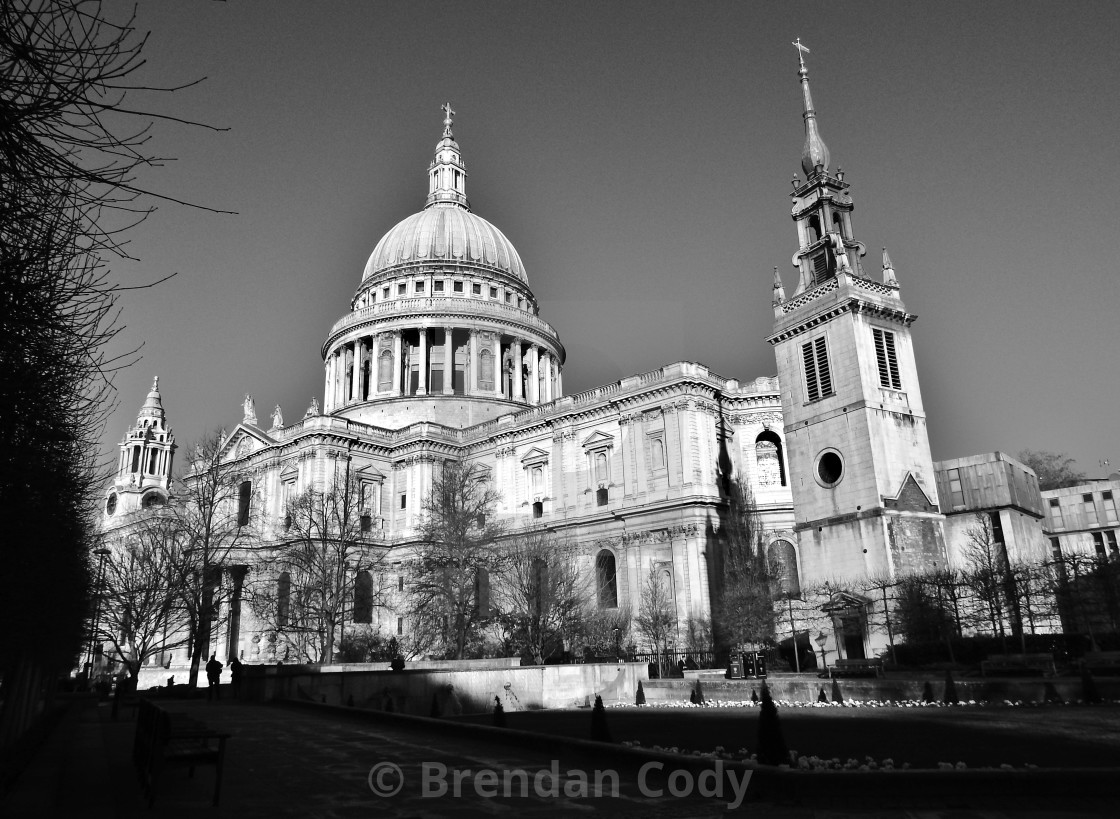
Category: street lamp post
[101,553]
[820,641]
[617,649]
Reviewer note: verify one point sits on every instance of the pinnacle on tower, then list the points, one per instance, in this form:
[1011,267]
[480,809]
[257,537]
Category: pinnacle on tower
[889,277]
[779,290]
[815,154]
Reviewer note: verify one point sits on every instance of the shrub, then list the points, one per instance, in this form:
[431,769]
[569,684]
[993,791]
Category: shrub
[836,695]
[950,697]
[599,730]
[772,748]
[821,697]
[699,691]
[499,713]
[397,663]
[927,692]
[754,695]
[640,697]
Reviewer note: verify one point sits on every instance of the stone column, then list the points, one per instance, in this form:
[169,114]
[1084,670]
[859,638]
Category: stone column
[422,383]
[340,378]
[498,365]
[470,377]
[546,361]
[534,376]
[398,363]
[448,362]
[559,381]
[237,574]
[356,371]
[518,392]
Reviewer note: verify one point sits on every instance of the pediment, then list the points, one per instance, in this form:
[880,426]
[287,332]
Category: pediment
[535,455]
[910,497]
[845,600]
[369,472]
[244,441]
[597,440]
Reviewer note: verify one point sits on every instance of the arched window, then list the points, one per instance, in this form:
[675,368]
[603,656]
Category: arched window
[769,457]
[813,229]
[602,473]
[153,499]
[244,494]
[606,580]
[283,598]
[537,476]
[783,562]
[136,459]
[363,597]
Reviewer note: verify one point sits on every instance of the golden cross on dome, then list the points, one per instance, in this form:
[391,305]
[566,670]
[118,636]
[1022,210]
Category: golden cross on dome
[801,51]
[448,114]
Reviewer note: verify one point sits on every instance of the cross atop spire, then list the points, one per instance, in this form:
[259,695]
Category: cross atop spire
[447,118]
[801,52]
[447,175]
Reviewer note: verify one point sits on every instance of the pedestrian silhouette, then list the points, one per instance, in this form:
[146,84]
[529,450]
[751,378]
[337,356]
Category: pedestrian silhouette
[235,677]
[213,677]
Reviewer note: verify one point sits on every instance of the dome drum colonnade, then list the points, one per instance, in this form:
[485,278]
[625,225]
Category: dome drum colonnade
[444,309]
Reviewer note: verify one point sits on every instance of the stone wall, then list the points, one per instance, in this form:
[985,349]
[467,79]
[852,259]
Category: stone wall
[449,691]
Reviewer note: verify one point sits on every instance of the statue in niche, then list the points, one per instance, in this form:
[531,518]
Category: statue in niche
[250,410]
[277,418]
[311,410]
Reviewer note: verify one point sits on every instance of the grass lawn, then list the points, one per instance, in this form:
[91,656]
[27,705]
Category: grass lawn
[1050,737]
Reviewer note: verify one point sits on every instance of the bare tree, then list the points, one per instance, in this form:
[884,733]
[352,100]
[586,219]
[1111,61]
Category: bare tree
[541,595]
[657,613]
[984,572]
[142,614]
[606,632]
[217,511]
[69,156]
[449,574]
[330,566]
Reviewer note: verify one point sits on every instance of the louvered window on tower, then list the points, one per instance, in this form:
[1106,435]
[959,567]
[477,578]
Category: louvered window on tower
[820,266]
[818,378]
[886,358]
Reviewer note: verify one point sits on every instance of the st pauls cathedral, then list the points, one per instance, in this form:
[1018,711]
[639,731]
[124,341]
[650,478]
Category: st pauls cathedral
[442,354]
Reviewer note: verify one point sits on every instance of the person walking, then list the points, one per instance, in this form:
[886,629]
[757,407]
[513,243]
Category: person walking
[213,677]
[235,677]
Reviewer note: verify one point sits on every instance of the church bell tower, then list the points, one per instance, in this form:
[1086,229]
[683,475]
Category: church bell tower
[143,478]
[865,498]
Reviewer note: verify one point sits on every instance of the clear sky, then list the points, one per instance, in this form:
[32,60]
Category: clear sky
[639,156]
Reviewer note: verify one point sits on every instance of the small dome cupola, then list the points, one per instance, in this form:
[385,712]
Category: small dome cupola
[815,154]
[447,175]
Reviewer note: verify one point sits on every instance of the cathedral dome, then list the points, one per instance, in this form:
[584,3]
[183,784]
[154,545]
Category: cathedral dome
[445,234]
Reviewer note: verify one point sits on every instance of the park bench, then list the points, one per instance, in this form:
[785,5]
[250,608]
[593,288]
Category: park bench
[1107,662]
[870,667]
[164,739]
[1012,664]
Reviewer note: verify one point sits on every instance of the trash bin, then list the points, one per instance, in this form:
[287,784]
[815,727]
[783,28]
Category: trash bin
[735,669]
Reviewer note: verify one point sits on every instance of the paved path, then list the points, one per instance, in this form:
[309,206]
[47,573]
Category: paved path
[297,762]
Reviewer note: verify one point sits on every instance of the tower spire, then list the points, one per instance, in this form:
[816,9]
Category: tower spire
[447,175]
[815,152]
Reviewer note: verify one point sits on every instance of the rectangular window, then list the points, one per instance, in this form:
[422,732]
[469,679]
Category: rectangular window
[1098,543]
[820,267]
[1056,548]
[886,358]
[1109,504]
[476,289]
[437,286]
[538,509]
[818,378]
[400,582]
[419,287]
[402,288]
[400,625]
[1056,513]
[1113,547]
[509,298]
[956,491]
[1090,510]
[601,496]
[493,292]
[385,292]
[458,287]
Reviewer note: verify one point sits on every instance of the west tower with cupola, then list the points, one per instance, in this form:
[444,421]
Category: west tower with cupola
[143,478]
[864,492]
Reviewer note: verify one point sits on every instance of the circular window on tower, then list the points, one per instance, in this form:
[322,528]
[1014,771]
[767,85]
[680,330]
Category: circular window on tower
[830,468]
[111,504]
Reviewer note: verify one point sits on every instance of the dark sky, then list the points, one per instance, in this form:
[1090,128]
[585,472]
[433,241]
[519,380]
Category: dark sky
[639,156]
